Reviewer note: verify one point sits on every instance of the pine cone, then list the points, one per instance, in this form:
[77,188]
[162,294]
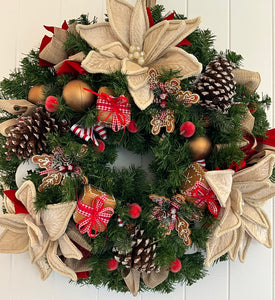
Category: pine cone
[142,255]
[29,136]
[216,86]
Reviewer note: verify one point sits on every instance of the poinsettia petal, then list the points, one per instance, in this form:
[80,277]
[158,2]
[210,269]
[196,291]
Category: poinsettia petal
[178,60]
[57,264]
[218,246]
[221,184]
[56,218]
[257,224]
[43,267]
[258,172]
[97,35]
[13,242]
[191,25]
[233,252]
[114,50]
[139,24]
[13,222]
[120,14]
[95,62]
[68,249]
[244,246]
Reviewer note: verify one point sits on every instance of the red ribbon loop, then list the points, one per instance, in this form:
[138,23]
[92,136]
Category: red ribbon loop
[96,215]
[203,194]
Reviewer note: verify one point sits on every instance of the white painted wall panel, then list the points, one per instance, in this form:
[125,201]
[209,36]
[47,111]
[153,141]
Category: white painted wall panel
[247,27]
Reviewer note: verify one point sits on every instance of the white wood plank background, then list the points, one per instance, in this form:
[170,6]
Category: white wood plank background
[246,26]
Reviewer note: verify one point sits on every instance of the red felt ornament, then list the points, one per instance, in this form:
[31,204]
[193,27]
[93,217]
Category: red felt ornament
[112,264]
[132,127]
[51,104]
[175,266]
[187,129]
[134,210]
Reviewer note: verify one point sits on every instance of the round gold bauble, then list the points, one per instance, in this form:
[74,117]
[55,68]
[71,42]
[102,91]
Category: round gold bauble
[36,94]
[76,97]
[200,147]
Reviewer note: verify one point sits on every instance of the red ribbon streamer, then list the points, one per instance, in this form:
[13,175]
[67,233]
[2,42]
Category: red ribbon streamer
[18,205]
[95,216]
[118,107]
[204,195]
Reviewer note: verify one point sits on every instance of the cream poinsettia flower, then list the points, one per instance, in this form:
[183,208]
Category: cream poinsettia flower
[241,196]
[127,43]
[42,233]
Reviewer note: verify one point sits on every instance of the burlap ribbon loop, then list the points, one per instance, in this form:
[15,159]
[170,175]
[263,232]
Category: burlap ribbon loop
[15,107]
[251,80]
[151,3]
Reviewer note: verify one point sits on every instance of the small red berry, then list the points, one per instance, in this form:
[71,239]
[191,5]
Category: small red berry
[163,104]
[252,107]
[175,266]
[112,264]
[134,210]
[51,104]
[187,129]
[132,127]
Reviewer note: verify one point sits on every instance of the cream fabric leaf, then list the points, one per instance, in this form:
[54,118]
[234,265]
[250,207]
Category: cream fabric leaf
[144,95]
[244,246]
[132,280]
[233,252]
[56,218]
[114,50]
[68,249]
[260,227]
[13,222]
[27,195]
[137,76]
[218,246]
[56,263]
[191,25]
[154,279]
[78,265]
[96,35]
[43,267]
[13,242]
[236,201]
[139,24]
[120,13]
[221,184]
[98,63]
[260,171]
[178,60]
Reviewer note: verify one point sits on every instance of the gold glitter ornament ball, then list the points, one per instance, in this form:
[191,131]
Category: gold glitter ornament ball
[76,97]
[200,147]
[36,94]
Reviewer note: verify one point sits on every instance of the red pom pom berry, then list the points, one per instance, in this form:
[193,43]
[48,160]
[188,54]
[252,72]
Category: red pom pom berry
[134,210]
[51,104]
[132,127]
[100,148]
[187,129]
[175,266]
[112,264]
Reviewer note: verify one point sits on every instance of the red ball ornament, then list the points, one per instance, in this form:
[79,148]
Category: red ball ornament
[112,264]
[132,127]
[134,210]
[51,104]
[187,129]
[175,266]
[101,147]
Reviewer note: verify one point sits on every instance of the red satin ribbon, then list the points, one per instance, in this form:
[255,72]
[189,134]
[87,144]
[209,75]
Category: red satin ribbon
[95,215]
[204,195]
[18,205]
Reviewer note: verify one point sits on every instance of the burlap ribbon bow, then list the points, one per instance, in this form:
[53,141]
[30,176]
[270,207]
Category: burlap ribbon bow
[241,195]
[42,233]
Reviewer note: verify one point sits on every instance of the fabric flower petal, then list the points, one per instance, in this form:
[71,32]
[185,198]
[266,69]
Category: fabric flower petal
[233,252]
[98,63]
[191,25]
[114,50]
[43,267]
[178,60]
[68,249]
[120,13]
[13,222]
[57,264]
[244,246]
[96,35]
[56,218]
[13,242]
[139,24]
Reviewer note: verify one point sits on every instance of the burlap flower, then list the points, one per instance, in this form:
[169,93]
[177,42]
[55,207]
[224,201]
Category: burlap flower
[241,195]
[128,29]
[42,233]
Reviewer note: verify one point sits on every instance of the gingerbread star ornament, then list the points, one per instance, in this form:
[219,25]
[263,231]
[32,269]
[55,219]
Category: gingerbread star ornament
[241,196]
[42,234]
[127,43]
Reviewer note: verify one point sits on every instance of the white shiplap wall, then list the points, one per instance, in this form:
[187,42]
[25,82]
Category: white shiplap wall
[245,26]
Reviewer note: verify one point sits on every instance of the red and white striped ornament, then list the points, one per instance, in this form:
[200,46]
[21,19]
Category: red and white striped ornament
[201,162]
[88,133]
[163,136]
[119,221]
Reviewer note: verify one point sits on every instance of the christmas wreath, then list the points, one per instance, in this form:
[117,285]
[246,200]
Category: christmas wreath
[153,85]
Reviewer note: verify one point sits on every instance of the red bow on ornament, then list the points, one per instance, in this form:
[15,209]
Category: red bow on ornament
[96,215]
[118,107]
[204,195]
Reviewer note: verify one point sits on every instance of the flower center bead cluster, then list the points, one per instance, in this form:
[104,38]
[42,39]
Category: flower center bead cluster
[135,54]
